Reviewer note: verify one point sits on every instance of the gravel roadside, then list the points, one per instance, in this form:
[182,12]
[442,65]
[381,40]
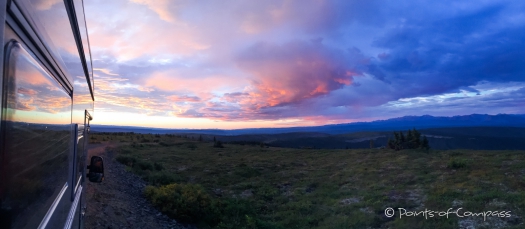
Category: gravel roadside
[118,202]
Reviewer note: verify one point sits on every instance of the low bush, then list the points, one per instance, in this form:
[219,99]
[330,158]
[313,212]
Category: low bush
[162,178]
[187,203]
[192,146]
[246,171]
[126,151]
[455,163]
[158,166]
[190,203]
[126,160]
[145,165]
[218,144]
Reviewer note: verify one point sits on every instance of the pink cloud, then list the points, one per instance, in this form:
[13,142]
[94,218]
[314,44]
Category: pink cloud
[294,72]
[51,101]
[26,91]
[184,98]
[137,31]
[175,81]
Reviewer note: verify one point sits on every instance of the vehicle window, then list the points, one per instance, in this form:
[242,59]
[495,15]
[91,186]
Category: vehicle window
[37,133]
[52,23]
[52,20]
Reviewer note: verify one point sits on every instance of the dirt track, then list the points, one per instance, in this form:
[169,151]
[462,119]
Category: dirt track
[118,202]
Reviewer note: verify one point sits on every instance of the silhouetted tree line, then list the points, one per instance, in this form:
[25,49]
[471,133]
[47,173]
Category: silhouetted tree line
[412,140]
[218,144]
[116,133]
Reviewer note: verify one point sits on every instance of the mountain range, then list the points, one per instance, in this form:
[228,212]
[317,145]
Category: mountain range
[401,123]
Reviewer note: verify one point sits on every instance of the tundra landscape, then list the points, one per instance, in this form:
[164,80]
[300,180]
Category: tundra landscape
[202,183]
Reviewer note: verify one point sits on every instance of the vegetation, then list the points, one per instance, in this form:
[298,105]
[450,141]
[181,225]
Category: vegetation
[411,141]
[188,203]
[218,144]
[457,163]
[248,186]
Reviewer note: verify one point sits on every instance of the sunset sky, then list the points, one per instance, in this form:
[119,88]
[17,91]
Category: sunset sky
[242,64]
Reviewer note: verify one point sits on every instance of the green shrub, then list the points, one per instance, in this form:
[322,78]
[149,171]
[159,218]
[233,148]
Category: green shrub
[455,163]
[162,178]
[218,144]
[145,165]
[192,146]
[245,171]
[190,203]
[187,203]
[238,213]
[158,166]
[125,151]
[126,160]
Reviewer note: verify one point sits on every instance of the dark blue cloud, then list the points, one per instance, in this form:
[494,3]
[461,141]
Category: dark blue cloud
[452,53]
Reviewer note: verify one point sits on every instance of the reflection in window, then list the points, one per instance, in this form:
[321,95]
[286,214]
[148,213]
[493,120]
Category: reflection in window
[52,24]
[37,133]
[51,20]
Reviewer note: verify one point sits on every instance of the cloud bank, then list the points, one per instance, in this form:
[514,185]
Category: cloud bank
[307,61]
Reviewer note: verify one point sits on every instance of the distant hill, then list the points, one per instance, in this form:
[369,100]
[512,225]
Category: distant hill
[477,138]
[476,131]
[419,122]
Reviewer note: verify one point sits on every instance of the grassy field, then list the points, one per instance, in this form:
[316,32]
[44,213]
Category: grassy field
[252,186]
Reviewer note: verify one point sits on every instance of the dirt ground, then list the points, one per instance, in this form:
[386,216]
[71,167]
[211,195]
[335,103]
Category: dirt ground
[118,202]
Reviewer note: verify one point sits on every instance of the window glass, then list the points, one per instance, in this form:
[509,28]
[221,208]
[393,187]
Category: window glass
[82,101]
[51,22]
[37,136]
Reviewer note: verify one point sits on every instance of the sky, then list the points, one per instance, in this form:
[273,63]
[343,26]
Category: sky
[243,64]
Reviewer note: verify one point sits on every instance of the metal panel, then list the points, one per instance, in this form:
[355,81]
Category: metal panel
[82,26]
[74,20]
[3,5]
[74,212]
